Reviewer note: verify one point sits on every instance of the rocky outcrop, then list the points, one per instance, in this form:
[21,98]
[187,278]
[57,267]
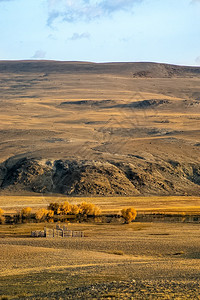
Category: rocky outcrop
[68,177]
[73,177]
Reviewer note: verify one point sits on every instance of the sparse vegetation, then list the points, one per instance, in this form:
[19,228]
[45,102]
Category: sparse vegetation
[129,214]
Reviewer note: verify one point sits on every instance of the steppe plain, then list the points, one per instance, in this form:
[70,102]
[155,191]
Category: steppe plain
[138,123]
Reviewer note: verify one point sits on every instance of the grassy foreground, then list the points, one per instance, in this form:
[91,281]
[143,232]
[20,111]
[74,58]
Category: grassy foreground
[134,261]
[113,261]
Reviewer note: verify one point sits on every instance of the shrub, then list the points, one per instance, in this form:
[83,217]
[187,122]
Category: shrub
[129,214]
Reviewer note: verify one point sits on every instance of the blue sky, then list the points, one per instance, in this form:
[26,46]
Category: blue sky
[101,31]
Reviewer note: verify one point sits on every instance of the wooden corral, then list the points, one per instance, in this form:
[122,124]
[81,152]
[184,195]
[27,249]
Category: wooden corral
[57,232]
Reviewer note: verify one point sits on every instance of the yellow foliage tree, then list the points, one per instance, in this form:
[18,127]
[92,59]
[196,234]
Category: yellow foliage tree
[75,209]
[129,214]
[54,206]
[89,209]
[50,214]
[44,214]
[65,208]
[41,214]
[26,212]
[2,218]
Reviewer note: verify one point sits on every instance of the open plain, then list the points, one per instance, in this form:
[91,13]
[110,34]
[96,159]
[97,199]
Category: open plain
[141,260]
[116,135]
[112,261]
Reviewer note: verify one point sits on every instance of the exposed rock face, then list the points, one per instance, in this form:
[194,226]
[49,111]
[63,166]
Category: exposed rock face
[30,175]
[68,177]
[100,178]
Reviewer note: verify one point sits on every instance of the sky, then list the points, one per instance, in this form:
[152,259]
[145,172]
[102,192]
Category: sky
[166,31]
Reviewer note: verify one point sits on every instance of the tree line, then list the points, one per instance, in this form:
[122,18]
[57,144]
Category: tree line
[61,212]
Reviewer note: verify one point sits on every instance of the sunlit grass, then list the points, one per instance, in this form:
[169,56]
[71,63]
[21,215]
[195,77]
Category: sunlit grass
[108,204]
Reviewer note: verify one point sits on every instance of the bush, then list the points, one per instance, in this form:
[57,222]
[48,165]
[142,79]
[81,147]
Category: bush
[129,214]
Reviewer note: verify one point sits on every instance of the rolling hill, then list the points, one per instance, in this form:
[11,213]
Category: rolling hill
[79,128]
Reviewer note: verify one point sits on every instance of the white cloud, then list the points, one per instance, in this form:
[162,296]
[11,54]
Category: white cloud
[39,54]
[86,10]
[79,36]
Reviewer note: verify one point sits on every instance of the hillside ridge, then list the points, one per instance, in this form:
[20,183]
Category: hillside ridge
[137,69]
[86,178]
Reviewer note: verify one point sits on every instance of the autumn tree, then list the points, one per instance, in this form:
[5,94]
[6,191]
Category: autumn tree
[89,209]
[44,214]
[84,209]
[64,208]
[55,207]
[75,209]
[2,218]
[129,214]
[26,212]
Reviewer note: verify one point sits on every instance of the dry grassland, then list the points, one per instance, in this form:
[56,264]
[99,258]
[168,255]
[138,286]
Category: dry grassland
[45,120]
[136,260]
[189,204]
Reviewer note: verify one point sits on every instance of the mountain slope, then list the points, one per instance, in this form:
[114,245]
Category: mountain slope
[118,128]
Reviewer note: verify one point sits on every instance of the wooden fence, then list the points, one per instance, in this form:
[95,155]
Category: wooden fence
[57,232]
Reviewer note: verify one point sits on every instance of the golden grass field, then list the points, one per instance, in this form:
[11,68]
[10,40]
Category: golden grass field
[189,204]
[139,260]
[113,261]
[39,114]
